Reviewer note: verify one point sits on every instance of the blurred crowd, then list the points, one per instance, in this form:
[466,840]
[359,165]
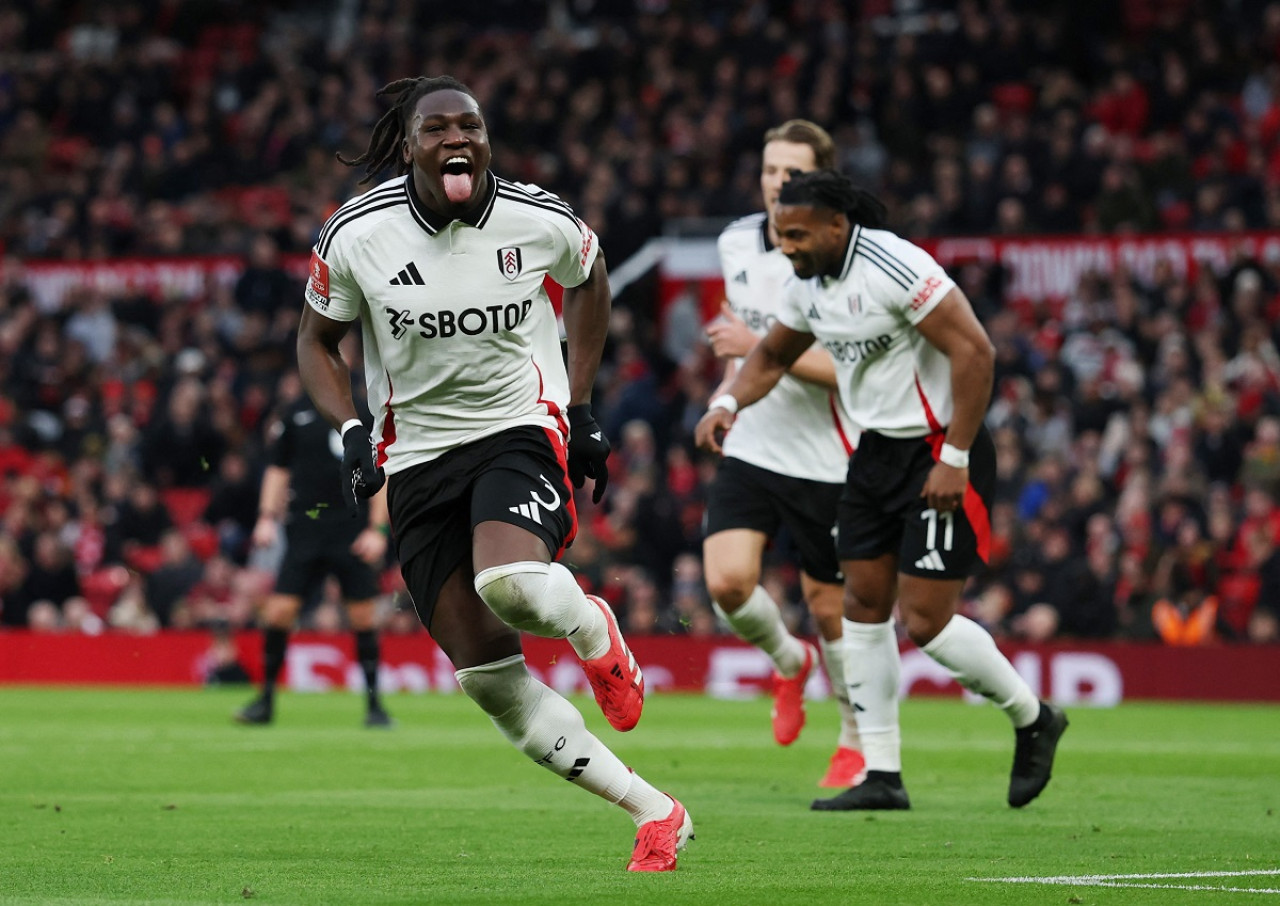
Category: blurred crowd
[1138,421]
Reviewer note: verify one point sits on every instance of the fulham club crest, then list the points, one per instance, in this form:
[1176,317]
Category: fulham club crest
[510,263]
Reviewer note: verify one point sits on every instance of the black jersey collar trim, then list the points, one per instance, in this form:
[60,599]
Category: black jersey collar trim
[477,215]
[765,244]
[851,249]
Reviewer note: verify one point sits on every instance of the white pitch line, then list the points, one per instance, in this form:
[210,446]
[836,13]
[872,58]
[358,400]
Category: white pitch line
[1066,879]
[1118,880]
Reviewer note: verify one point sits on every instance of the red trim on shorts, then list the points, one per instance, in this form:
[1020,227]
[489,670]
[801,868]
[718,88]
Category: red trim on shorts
[835,417]
[562,456]
[975,510]
[980,520]
[388,426]
[559,440]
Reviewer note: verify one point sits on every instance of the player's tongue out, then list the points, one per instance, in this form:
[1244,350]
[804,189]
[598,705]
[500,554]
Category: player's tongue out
[457,187]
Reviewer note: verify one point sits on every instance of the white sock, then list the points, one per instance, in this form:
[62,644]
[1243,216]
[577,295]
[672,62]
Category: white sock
[541,723]
[544,599]
[833,658]
[759,621]
[872,670]
[971,656]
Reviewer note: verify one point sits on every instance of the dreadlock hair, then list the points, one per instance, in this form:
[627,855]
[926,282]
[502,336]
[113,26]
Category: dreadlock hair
[832,190]
[389,131]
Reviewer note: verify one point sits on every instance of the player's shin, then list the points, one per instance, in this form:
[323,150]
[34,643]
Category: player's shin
[971,656]
[872,669]
[542,724]
[759,621]
[833,658]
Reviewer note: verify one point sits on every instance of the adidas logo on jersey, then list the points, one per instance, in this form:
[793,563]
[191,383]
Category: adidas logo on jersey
[408,276]
[740,277]
[931,560]
[812,313]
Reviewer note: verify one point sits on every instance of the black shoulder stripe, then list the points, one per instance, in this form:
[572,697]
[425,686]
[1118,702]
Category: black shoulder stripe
[325,244]
[894,260]
[531,191]
[361,200]
[891,272]
[563,210]
[541,195]
[358,204]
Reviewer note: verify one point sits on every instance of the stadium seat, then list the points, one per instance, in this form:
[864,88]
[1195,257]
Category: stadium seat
[185,505]
[102,587]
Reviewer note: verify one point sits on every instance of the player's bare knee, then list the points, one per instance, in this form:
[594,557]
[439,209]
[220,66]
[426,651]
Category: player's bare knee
[362,615]
[280,611]
[860,609]
[922,627]
[824,602]
[830,626]
[729,590]
[512,591]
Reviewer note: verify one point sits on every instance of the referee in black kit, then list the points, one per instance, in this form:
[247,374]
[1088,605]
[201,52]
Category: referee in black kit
[324,536]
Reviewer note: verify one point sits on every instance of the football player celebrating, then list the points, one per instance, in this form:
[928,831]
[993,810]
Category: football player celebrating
[914,368]
[478,427]
[784,465]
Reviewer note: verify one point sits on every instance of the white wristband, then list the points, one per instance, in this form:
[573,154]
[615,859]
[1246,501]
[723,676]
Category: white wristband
[724,401]
[348,425]
[954,457]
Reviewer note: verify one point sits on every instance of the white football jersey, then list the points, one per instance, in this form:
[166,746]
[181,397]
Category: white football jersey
[892,380]
[798,429]
[460,338]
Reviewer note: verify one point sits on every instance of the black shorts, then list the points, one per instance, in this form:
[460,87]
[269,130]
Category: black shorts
[518,476]
[882,512]
[743,496]
[319,548]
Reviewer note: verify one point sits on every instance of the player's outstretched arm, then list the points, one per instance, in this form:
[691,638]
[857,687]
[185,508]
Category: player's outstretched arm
[731,338]
[758,375]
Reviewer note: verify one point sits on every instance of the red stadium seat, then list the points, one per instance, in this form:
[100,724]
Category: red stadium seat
[185,505]
[103,586]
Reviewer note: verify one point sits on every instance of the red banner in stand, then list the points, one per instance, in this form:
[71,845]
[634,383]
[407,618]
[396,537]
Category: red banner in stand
[1038,267]
[1101,674]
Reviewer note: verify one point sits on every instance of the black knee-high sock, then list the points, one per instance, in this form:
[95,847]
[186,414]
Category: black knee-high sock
[274,643]
[368,655]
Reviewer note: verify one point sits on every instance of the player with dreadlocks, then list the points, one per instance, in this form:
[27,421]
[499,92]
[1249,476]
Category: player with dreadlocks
[784,466]
[479,430]
[914,370]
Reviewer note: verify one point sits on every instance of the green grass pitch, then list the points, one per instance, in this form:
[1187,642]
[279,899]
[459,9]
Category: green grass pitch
[155,797]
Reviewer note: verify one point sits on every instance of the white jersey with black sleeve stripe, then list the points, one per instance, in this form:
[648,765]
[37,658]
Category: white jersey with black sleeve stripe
[892,380]
[460,337]
[797,429]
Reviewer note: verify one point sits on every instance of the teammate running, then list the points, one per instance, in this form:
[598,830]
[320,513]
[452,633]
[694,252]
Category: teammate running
[915,372]
[784,465]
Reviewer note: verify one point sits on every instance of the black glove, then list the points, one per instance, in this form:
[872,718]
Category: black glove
[361,478]
[588,451]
